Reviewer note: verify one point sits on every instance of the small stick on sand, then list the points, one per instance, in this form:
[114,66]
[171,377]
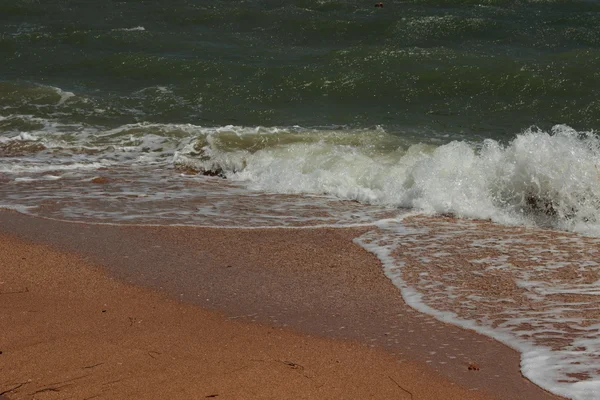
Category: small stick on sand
[397,384]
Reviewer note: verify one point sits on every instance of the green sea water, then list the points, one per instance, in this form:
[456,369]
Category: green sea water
[486,68]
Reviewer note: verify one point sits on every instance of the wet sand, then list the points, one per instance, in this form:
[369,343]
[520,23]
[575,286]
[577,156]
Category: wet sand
[330,325]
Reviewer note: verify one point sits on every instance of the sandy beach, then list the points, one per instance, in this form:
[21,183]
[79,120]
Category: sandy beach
[92,311]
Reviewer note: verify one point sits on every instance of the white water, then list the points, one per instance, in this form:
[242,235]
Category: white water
[136,28]
[548,179]
[558,336]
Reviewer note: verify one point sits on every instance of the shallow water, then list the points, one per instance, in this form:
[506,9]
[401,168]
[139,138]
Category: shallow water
[534,290]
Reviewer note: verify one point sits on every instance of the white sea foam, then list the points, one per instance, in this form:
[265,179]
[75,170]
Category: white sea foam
[64,96]
[558,336]
[21,209]
[540,178]
[42,168]
[24,136]
[40,178]
[135,28]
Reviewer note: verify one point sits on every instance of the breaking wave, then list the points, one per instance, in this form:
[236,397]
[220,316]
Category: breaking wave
[548,179]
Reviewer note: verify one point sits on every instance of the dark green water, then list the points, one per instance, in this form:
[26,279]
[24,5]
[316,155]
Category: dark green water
[487,68]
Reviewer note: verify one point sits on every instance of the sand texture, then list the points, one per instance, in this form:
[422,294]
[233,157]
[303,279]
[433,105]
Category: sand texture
[330,325]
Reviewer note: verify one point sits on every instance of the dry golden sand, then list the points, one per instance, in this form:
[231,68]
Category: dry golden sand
[70,331]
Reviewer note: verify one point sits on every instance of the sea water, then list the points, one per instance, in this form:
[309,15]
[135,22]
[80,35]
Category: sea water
[462,132]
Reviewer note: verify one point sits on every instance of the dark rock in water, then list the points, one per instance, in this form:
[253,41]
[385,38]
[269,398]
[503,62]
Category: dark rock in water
[187,170]
[4,178]
[545,206]
[218,172]
[541,205]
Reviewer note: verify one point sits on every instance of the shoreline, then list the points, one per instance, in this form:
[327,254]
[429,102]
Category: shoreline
[140,344]
[291,282]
